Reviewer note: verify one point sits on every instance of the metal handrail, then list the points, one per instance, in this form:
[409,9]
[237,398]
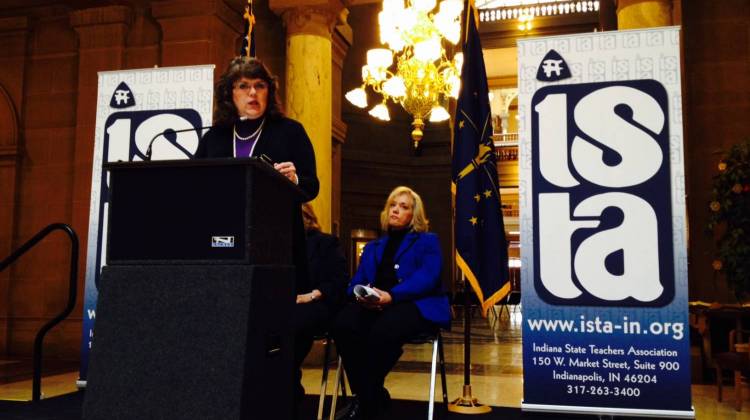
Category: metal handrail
[72,292]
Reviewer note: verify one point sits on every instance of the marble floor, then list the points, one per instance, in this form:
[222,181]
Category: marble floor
[52,386]
[497,373]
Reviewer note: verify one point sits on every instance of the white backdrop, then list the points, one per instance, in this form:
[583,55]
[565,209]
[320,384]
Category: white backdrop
[134,107]
[603,224]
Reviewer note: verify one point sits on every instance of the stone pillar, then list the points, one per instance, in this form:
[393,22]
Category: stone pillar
[14,38]
[635,14]
[500,105]
[309,83]
[198,31]
[342,40]
[102,32]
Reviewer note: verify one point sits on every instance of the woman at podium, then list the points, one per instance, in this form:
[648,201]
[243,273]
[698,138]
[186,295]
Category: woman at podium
[248,121]
[395,294]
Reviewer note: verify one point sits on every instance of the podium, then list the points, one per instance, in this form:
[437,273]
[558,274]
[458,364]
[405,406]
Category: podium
[193,315]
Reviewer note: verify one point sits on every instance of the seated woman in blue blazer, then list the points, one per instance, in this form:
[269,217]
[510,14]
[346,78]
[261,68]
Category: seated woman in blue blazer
[403,268]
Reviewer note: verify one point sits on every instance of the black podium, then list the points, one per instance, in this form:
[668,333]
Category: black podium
[193,315]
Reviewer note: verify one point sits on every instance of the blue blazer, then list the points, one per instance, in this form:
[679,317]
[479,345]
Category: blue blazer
[418,264]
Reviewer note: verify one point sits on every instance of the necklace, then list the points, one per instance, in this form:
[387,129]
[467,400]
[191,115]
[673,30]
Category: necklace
[251,136]
[244,146]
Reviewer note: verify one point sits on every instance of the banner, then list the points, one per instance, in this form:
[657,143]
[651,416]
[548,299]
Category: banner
[134,108]
[603,229]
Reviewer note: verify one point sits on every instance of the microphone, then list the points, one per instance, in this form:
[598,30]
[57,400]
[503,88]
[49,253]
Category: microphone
[171,135]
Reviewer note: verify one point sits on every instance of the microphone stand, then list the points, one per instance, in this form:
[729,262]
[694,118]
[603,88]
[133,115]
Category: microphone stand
[149,149]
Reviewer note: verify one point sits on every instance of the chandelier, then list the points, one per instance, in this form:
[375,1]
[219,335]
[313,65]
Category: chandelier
[424,76]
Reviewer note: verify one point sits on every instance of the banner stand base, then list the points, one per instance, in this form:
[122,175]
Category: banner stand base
[612,411]
[467,404]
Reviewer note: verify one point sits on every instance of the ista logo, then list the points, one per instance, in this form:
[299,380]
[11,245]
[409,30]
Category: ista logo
[122,97]
[127,134]
[602,196]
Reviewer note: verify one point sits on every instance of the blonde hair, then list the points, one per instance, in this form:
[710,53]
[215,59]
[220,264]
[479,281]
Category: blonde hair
[309,219]
[419,222]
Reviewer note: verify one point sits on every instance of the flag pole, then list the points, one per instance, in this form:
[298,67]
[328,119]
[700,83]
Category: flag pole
[467,404]
[248,42]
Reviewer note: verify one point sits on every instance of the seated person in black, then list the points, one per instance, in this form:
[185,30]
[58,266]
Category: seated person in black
[403,267]
[328,281]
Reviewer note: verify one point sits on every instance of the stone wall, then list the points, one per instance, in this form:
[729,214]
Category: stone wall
[716,45]
[49,60]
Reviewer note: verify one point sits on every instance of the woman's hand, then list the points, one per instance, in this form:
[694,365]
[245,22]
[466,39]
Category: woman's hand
[309,297]
[385,297]
[367,303]
[288,170]
[378,305]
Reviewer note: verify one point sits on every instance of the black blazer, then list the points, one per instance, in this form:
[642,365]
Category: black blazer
[282,139]
[328,269]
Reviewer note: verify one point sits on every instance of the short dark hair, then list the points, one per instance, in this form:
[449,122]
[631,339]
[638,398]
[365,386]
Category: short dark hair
[225,113]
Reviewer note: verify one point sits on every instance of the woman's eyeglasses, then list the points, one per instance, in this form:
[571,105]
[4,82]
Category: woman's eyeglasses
[245,87]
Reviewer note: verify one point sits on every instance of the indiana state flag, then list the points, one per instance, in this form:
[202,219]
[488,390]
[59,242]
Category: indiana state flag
[481,248]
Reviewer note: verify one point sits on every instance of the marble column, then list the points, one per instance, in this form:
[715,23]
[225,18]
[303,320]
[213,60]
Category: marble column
[342,40]
[635,14]
[500,105]
[308,96]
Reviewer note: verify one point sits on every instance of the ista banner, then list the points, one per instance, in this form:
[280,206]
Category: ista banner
[135,109]
[604,260]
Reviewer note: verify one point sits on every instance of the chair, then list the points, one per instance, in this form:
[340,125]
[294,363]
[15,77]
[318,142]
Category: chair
[437,356]
[324,379]
[736,361]
[514,297]
[513,300]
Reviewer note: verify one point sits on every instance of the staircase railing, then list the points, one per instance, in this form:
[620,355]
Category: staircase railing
[72,292]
